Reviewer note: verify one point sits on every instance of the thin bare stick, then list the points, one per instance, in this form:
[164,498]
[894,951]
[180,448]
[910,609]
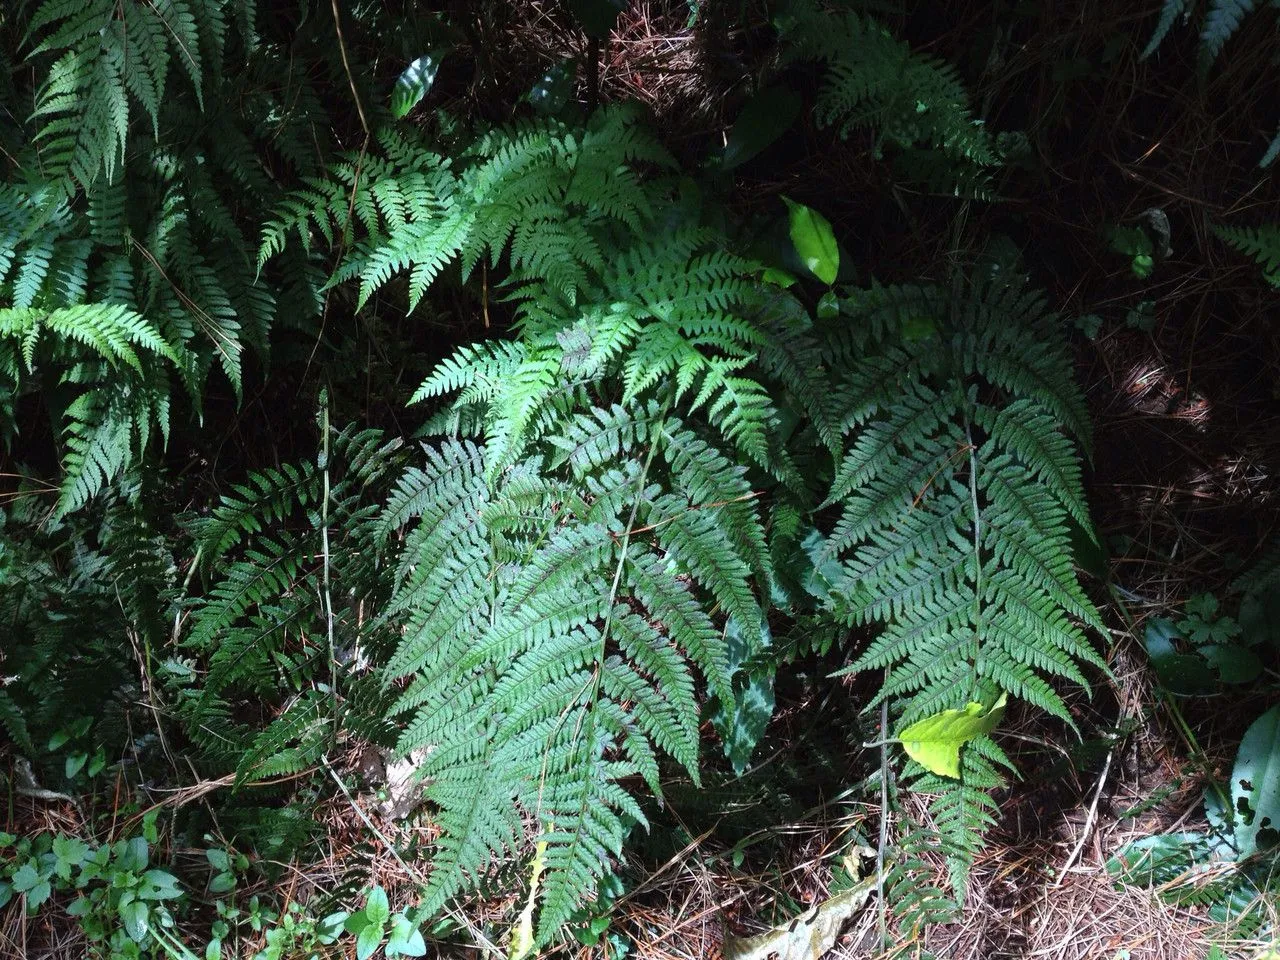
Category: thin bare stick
[1089,820]
[346,65]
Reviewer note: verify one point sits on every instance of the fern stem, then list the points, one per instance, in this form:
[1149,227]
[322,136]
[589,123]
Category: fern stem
[977,555]
[882,920]
[597,674]
[324,546]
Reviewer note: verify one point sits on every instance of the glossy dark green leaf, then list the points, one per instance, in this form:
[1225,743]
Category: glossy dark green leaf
[743,722]
[1255,784]
[763,119]
[829,306]
[777,277]
[74,764]
[553,89]
[415,82]
[814,241]
[1234,663]
[135,915]
[1178,673]
[222,883]
[597,17]
[1158,859]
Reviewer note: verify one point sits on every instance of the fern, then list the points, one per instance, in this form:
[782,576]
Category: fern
[253,632]
[1170,11]
[628,471]
[1221,22]
[908,100]
[548,660]
[955,492]
[1261,243]
[109,56]
[126,202]
[540,192]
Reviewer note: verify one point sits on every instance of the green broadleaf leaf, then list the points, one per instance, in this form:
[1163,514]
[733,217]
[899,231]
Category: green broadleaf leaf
[164,885]
[356,922]
[59,739]
[74,764]
[70,852]
[935,742]
[1255,783]
[25,878]
[1178,673]
[331,926]
[37,895]
[368,941]
[135,916]
[377,908]
[814,241]
[742,723]
[762,120]
[549,95]
[777,277]
[222,882]
[1234,663]
[415,82]
[1157,859]
[405,940]
[597,16]
[132,855]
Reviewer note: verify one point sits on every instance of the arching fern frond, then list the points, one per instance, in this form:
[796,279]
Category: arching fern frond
[955,491]
[1261,243]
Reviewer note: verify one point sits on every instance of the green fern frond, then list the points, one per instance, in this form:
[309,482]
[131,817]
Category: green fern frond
[108,53]
[955,492]
[290,743]
[875,80]
[1220,24]
[1170,11]
[1261,243]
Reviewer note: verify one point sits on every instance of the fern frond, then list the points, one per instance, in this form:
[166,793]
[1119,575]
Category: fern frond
[1170,11]
[1220,24]
[290,743]
[875,80]
[1261,243]
[955,490]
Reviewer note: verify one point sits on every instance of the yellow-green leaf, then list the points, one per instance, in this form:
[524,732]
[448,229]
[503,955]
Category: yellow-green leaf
[814,241]
[522,936]
[935,742]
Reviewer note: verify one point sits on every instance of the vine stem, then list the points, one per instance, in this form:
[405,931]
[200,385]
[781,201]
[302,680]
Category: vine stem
[346,65]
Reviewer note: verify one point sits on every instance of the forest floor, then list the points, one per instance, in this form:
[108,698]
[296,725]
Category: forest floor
[1183,480]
